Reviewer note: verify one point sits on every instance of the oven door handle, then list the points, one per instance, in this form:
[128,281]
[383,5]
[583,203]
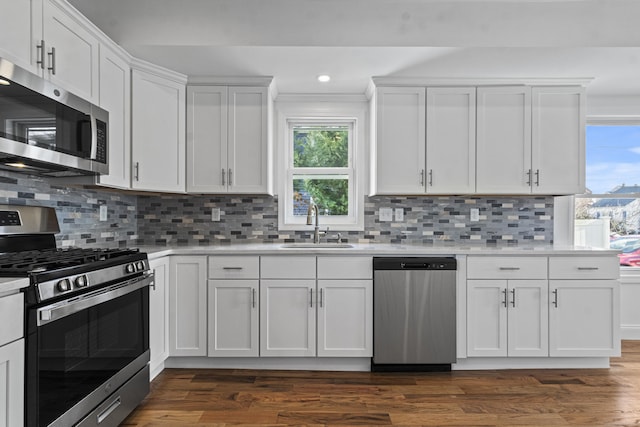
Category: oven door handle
[53,312]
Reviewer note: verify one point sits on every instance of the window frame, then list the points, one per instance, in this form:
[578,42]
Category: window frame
[324,111]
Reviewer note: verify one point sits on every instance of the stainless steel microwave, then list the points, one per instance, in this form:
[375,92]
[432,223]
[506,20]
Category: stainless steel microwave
[45,130]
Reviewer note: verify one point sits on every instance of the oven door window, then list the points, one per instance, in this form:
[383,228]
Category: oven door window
[80,352]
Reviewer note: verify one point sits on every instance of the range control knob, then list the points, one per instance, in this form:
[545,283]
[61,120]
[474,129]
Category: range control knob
[140,265]
[130,268]
[63,285]
[81,281]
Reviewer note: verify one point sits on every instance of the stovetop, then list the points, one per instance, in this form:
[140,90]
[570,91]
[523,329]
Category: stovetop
[29,263]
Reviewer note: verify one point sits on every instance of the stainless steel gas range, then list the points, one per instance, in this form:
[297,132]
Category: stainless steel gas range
[86,323]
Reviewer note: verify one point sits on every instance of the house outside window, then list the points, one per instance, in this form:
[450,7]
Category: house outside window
[608,215]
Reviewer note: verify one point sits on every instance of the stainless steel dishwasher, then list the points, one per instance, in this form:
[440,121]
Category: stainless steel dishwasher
[414,313]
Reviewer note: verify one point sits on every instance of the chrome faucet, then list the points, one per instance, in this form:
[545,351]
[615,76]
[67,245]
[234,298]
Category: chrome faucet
[311,212]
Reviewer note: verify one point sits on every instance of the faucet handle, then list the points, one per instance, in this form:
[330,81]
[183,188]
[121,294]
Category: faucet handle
[339,237]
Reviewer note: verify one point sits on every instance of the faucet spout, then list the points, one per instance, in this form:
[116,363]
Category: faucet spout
[312,211]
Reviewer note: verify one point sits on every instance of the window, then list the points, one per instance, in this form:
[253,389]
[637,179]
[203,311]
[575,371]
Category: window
[609,214]
[320,170]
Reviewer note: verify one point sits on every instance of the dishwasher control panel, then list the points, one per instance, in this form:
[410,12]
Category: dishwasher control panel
[414,263]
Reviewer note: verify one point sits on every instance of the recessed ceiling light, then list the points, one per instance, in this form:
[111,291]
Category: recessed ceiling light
[323,78]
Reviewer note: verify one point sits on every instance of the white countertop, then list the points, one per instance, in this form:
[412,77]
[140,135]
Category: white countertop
[8,284]
[370,249]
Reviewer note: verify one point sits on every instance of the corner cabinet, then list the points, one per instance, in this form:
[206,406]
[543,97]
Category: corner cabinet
[157,129]
[229,139]
[188,306]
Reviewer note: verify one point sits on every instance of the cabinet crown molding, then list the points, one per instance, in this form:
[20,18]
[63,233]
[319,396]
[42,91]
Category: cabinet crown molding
[148,67]
[480,81]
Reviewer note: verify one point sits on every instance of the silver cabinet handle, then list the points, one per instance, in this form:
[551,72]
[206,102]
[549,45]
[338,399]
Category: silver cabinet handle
[136,169]
[40,54]
[230,176]
[223,172]
[509,268]
[555,298]
[310,297]
[431,177]
[232,268]
[513,297]
[588,268]
[52,60]
[537,177]
[529,177]
[253,298]
[421,176]
[504,294]
[320,302]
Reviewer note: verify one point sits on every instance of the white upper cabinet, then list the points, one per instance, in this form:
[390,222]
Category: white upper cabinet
[52,40]
[558,140]
[19,37]
[504,140]
[115,97]
[451,140]
[399,145]
[228,139]
[158,132]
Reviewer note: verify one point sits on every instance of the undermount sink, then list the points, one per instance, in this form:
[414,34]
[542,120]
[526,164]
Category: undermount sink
[317,245]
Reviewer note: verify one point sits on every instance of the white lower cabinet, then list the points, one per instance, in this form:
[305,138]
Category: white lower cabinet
[233,306]
[12,384]
[345,313]
[507,318]
[188,306]
[158,314]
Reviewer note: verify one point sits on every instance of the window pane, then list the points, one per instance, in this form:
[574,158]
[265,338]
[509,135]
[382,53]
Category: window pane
[321,147]
[331,194]
[613,158]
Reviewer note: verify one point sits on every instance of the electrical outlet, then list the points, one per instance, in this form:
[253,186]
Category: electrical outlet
[215,214]
[385,214]
[475,214]
[399,214]
[103,212]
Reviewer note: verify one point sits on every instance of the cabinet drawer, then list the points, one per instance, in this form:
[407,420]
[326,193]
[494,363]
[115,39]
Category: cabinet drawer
[596,267]
[507,267]
[234,267]
[345,267]
[11,318]
[287,267]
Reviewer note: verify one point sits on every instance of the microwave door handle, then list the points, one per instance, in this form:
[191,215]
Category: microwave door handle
[94,136]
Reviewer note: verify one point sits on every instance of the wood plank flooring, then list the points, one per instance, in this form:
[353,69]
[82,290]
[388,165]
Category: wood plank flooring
[567,397]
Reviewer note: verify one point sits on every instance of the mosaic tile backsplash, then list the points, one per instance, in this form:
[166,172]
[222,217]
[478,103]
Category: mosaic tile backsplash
[185,220]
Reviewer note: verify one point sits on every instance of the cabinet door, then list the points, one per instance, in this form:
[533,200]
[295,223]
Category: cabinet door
[233,318]
[207,139]
[12,384]
[399,151]
[503,140]
[584,318]
[158,315]
[451,140]
[558,140]
[158,135]
[72,53]
[486,318]
[21,23]
[528,318]
[345,318]
[188,306]
[287,318]
[248,158]
[115,97]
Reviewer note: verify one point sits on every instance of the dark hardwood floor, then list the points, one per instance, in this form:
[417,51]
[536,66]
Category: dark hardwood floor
[575,397]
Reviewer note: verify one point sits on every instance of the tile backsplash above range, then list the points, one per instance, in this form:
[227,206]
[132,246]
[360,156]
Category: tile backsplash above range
[185,220]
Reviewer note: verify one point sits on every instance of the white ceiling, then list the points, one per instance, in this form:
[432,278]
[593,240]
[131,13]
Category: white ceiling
[353,40]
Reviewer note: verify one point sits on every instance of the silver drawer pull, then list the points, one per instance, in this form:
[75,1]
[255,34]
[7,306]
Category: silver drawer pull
[232,268]
[509,268]
[588,268]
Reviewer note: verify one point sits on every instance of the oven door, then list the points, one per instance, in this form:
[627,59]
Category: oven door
[83,349]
